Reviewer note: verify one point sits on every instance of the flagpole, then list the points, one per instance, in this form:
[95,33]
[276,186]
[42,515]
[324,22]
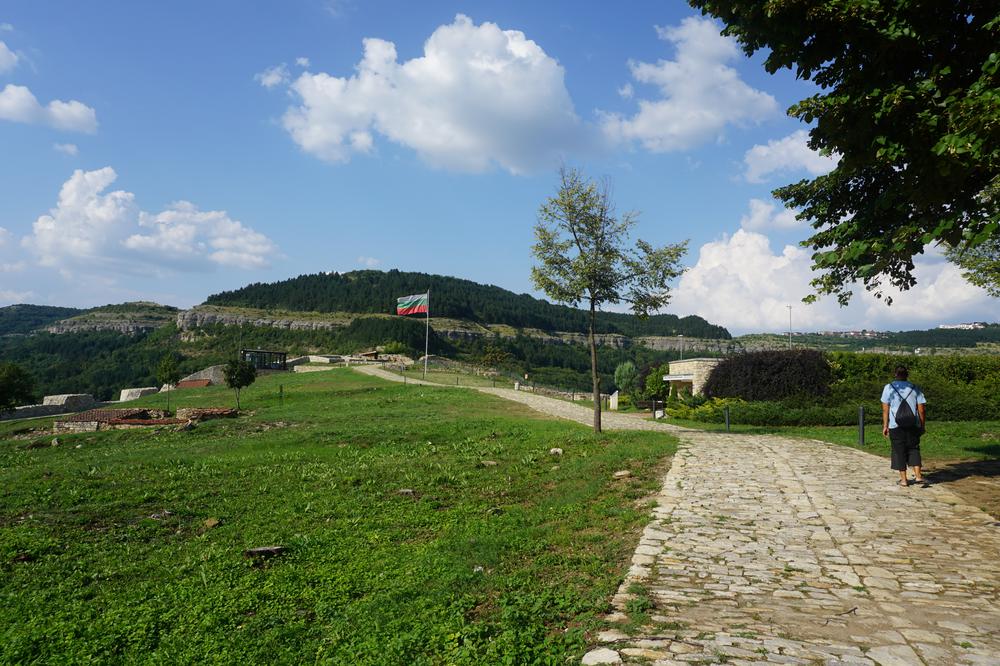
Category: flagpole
[427,331]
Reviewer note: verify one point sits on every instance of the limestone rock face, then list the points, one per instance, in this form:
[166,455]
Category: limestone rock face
[191,319]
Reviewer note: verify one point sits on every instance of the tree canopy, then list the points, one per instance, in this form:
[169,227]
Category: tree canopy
[980,264]
[16,386]
[910,102]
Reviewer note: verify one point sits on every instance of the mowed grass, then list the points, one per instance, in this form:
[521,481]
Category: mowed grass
[943,441]
[106,555]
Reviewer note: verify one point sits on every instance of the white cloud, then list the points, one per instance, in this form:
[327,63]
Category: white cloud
[742,284]
[766,215]
[19,105]
[67,148]
[626,91]
[788,155]
[8,59]
[6,27]
[4,237]
[370,262]
[478,96]
[9,296]
[302,61]
[699,93]
[186,235]
[92,231]
[273,76]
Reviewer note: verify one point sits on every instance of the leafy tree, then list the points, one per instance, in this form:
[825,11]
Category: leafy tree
[655,387]
[168,373]
[580,245]
[16,386]
[627,378]
[494,356]
[910,100]
[239,374]
[980,265]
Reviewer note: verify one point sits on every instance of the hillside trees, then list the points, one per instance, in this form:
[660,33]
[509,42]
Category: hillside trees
[16,386]
[580,246]
[371,291]
[910,100]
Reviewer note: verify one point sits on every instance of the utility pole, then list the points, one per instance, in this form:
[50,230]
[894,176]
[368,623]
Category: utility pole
[789,326]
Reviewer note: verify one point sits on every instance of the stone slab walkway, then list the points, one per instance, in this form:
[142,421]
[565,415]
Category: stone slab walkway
[763,549]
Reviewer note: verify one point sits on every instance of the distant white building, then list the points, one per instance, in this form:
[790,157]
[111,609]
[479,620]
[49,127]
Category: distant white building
[971,326]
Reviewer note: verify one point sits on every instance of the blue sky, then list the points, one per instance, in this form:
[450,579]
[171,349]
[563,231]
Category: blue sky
[166,151]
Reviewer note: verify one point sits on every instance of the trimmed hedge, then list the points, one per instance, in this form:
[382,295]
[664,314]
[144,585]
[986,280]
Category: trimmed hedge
[770,375]
[958,388]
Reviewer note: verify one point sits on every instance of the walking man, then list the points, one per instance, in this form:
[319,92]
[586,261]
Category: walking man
[903,422]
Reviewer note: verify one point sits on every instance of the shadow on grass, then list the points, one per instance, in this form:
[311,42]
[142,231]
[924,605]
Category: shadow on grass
[967,468]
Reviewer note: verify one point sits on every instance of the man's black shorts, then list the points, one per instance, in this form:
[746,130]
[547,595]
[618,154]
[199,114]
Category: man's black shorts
[905,447]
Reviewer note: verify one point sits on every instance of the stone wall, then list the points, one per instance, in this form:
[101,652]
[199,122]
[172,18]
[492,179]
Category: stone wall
[70,401]
[136,393]
[700,368]
[214,374]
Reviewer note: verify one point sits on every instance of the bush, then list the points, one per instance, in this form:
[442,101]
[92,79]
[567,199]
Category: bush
[771,375]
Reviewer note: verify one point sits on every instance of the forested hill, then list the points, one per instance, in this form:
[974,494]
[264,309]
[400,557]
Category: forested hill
[377,291]
[26,318]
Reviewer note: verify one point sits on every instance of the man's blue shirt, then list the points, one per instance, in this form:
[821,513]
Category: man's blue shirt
[903,390]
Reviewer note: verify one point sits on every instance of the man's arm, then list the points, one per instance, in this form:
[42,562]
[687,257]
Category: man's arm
[885,418]
[923,416]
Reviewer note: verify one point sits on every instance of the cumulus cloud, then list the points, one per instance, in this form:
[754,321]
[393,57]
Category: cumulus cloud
[9,296]
[8,59]
[66,148]
[18,104]
[302,61]
[699,93]
[273,76]
[91,230]
[740,282]
[768,215]
[370,262]
[6,27]
[478,96]
[791,154]
[187,236]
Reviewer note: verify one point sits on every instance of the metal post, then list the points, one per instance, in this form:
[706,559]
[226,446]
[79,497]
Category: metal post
[789,326]
[281,394]
[427,332]
[861,425]
[725,411]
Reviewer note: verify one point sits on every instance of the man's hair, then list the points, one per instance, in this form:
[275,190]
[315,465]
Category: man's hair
[902,372]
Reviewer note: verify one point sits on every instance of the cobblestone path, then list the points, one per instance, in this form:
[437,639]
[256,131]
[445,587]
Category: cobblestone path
[764,549]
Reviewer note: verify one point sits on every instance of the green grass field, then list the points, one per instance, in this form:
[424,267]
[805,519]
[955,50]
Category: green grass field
[943,441]
[126,546]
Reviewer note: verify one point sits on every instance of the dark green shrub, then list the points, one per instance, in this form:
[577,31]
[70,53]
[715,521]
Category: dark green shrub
[770,375]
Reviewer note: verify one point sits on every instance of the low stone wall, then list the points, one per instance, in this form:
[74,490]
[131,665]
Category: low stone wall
[53,404]
[313,368]
[70,401]
[136,393]
[214,374]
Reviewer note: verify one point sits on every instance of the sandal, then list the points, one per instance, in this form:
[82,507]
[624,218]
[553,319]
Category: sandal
[902,483]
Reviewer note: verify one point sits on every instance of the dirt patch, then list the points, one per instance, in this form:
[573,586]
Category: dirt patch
[976,481]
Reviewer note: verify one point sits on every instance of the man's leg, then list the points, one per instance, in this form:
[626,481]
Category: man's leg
[897,445]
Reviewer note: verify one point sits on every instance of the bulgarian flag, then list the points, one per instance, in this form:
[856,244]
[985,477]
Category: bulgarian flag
[415,304]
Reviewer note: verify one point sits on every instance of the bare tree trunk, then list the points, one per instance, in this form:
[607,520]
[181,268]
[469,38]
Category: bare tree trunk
[593,372]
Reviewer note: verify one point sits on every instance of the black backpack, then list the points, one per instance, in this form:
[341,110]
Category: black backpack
[905,418]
